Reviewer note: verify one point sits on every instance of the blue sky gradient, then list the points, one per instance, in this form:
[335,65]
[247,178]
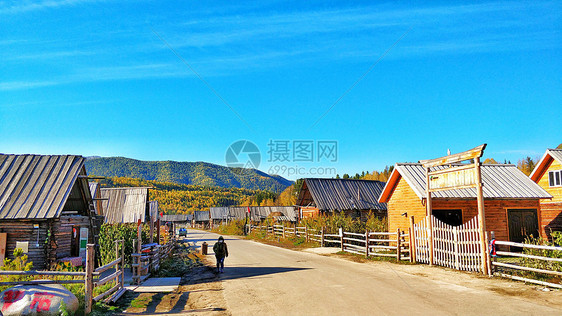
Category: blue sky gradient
[93,78]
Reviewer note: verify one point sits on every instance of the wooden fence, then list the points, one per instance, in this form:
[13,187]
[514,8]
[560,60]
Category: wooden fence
[537,268]
[90,277]
[148,259]
[456,247]
[384,244]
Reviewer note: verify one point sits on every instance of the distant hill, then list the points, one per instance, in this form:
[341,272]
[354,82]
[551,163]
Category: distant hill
[194,173]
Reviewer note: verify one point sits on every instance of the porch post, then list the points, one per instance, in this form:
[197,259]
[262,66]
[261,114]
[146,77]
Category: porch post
[481,216]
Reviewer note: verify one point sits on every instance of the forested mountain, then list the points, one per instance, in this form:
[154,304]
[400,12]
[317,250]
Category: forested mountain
[192,173]
[174,198]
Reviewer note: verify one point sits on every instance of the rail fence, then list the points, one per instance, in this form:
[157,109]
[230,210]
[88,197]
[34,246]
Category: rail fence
[148,259]
[538,264]
[384,244]
[90,277]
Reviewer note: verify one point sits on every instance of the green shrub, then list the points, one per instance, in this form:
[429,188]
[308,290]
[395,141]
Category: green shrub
[109,233]
[332,223]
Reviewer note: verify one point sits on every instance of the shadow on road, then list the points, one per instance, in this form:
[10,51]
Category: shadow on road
[207,274]
[249,272]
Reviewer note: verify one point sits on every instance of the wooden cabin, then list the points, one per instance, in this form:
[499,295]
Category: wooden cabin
[45,208]
[288,214]
[511,200]
[356,198]
[126,205]
[176,221]
[201,219]
[220,215]
[548,174]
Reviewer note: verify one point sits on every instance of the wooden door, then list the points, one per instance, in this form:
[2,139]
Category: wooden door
[522,223]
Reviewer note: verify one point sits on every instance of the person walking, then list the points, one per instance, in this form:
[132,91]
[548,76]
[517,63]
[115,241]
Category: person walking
[221,251]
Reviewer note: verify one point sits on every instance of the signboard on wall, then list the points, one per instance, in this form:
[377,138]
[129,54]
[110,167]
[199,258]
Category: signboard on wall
[452,178]
[83,241]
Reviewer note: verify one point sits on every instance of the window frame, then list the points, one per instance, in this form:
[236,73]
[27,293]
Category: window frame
[555,178]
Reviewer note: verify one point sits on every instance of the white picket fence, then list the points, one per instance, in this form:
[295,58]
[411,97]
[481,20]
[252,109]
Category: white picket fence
[456,247]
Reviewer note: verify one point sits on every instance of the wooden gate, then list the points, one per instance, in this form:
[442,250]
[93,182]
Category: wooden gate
[456,247]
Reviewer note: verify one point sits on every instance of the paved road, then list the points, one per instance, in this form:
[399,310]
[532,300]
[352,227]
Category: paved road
[265,280]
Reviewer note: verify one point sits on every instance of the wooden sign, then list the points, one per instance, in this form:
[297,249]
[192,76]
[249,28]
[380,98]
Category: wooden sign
[458,177]
[475,152]
[452,178]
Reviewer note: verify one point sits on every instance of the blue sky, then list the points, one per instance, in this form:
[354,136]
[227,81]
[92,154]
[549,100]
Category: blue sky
[94,78]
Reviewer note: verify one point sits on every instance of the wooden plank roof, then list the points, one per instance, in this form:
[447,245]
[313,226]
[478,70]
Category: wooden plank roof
[500,181]
[125,205]
[341,194]
[39,186]
[258,213]
[177,217]
[219,213]
[201,216]
[549,156]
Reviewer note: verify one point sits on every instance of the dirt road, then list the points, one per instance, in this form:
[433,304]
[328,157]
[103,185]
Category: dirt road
[265,280]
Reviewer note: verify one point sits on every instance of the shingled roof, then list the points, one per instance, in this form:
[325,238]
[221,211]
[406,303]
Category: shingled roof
[500,181]
[341,194]
[39,186]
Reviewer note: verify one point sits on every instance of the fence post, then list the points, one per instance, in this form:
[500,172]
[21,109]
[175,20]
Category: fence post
[341,239]
[283,225]
[456,247]
[322,237]
[367,243]
[489,256]
[117,255]
[122,263]
[89,280]
[398,244]
[412,240]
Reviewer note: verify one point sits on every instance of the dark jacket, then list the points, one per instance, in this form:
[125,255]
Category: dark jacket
[220,250]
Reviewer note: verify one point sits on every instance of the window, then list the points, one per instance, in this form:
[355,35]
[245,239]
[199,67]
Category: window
[451,217]
[554,178]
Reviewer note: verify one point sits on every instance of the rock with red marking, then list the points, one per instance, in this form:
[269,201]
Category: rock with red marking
[37,300]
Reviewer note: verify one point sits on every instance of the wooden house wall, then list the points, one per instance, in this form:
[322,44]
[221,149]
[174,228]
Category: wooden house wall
[61,234]
[309,212]
[551,209]
[404,199]
[22,230]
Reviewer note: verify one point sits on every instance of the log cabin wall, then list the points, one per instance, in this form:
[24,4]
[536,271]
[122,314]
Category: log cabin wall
[23,231]
[404,200]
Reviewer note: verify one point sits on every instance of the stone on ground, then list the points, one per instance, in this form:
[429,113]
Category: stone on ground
[37,300]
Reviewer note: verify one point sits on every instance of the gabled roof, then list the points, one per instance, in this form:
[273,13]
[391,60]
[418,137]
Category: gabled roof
[201,216]
[500,182]
[125,205]
[549,156]
[94,187]
[39,186]
[219,213]
[341,194]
